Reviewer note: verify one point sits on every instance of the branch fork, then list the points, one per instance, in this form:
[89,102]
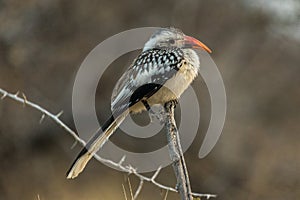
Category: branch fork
[183,187]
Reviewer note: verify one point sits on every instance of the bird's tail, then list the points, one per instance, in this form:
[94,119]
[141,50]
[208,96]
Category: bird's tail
[94,144]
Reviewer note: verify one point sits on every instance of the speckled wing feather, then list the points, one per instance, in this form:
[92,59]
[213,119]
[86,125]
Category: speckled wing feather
[148,73]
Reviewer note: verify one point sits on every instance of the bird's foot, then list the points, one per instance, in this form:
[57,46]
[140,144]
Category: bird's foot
[173,102]
[157,113]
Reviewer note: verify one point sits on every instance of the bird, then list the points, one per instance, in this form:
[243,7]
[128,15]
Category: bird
[164,69]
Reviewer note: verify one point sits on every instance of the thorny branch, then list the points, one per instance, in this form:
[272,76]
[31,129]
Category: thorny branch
[129,169]
[176,153]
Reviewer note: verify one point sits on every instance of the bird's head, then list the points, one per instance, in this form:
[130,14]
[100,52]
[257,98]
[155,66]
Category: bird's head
[172,37]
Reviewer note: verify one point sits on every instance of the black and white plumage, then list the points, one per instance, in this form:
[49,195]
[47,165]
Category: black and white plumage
[161,73]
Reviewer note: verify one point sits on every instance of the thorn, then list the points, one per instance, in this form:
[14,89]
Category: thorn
[74,144]
[42,118]
[208,196]
[17,93]
[122,160]
[156,173]
[4,95]
[25,99]
[59,114]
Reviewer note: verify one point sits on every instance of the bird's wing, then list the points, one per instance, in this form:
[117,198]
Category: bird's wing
[148,73]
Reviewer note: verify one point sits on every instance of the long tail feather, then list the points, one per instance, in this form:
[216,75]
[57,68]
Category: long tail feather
[94,144]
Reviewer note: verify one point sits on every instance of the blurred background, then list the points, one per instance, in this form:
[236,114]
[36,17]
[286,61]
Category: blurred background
[256,45]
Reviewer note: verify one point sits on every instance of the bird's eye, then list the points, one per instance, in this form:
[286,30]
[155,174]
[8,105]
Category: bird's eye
[172,41]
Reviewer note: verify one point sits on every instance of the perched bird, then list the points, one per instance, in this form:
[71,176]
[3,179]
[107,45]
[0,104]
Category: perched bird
[161,73]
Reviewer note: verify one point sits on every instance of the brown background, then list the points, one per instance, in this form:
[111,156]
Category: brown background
[256,47]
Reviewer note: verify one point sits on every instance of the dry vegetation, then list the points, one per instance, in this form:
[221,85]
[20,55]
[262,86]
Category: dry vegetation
[42,44]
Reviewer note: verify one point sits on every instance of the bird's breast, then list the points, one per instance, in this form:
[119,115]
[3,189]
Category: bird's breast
[175,86]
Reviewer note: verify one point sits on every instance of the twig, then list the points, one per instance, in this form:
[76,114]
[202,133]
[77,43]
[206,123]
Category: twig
[130,187]
[176,153]
[138,190]
[124,192]
[166,195]
[55,118]
[119,165]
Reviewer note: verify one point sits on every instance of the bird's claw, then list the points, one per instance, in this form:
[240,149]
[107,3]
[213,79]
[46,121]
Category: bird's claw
[159,115]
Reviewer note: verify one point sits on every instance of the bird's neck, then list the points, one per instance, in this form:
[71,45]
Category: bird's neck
[192,58]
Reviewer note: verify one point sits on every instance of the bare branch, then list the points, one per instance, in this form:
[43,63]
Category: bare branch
[124,192]
[176,153]
[129,169]
[138,190]
[156,173]
[130,188]
[4,94]
[43,111]
[166,195]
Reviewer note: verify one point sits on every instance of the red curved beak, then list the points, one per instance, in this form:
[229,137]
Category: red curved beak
[190,41]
